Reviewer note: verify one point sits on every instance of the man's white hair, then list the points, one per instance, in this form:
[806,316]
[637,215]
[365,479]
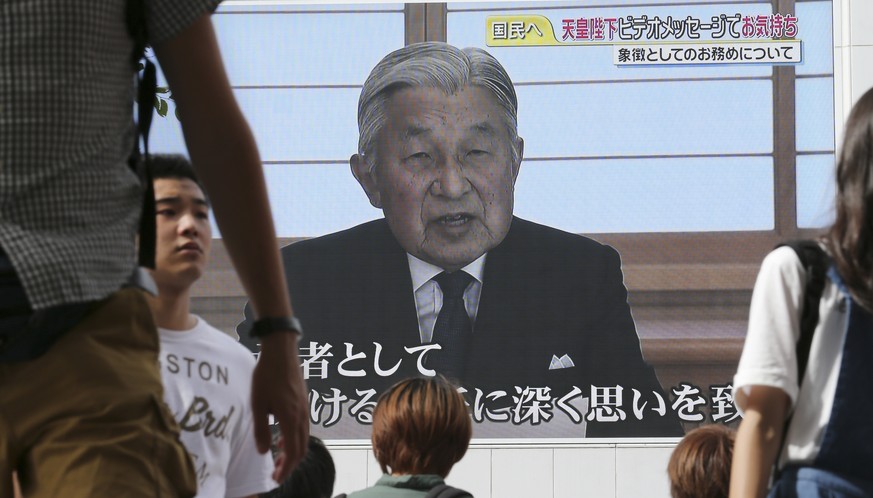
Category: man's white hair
[435,65]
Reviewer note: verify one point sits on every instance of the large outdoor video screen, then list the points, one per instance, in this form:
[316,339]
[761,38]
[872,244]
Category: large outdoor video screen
[608,232]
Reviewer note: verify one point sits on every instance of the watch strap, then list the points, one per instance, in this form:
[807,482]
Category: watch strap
[267,325]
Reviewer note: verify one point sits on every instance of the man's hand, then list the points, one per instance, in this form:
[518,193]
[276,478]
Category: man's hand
[278,389]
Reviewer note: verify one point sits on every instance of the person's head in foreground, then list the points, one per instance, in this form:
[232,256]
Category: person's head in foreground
[850,239]
[439,151]
[420,426]
[184,233]
[313,477]
[700,466]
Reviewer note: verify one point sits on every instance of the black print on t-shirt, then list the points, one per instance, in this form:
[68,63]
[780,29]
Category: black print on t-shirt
[200,469]
[200,418]
[193,368]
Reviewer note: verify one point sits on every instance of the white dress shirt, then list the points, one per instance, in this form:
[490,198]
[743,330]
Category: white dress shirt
[429,297]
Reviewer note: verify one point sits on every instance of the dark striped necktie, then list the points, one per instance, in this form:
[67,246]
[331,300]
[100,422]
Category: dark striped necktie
[453,327]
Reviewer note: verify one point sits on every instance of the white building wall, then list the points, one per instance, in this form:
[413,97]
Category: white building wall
[853,56]
[563,470]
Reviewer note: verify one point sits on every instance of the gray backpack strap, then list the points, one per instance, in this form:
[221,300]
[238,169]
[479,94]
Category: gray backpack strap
[446,491]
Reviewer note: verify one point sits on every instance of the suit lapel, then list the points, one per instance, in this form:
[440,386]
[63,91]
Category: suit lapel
[396,302]
[500,318]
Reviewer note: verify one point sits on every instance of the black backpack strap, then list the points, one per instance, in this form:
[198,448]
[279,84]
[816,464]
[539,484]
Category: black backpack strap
[446,491]
[146,92]
[135,18]
[815,261]
[147,227]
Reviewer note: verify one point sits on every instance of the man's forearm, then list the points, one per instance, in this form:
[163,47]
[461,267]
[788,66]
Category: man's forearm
[236,185]
[226,158]
[224,153]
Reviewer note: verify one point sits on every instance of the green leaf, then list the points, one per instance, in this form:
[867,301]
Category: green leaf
[164,108]
[162,89]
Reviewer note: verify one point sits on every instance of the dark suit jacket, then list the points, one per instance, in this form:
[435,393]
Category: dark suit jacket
[545,292]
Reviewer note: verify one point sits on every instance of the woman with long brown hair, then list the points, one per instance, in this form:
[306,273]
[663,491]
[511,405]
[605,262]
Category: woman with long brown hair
[827,449]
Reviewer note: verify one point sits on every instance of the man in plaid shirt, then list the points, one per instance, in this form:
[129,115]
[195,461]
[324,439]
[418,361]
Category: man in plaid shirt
[81,411]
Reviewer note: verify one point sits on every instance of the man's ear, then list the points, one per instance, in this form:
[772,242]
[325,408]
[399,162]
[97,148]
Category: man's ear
[367,179]
[519,146]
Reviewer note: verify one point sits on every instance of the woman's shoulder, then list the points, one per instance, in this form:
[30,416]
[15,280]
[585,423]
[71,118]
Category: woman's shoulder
[783,257]
[782,268]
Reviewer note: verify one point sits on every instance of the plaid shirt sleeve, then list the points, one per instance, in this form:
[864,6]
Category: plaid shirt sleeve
[167,18]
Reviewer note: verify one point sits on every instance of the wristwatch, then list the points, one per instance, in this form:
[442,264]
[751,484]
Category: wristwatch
[265,326]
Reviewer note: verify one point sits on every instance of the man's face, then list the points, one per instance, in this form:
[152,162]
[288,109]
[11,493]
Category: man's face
[184,234]
[444,175]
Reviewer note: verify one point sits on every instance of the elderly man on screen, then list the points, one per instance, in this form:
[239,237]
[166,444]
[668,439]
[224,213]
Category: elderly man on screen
[510,302]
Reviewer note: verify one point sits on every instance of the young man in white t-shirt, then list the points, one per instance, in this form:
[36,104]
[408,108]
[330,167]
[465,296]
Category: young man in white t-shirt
[207,374]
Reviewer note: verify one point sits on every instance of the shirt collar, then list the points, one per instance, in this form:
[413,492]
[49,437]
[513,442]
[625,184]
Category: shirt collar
[422,272]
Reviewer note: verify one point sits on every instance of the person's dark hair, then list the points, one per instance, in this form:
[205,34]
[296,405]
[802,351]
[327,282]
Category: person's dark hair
[312,478]
[700,466]
[850,239]
[421,426]
[174,167]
